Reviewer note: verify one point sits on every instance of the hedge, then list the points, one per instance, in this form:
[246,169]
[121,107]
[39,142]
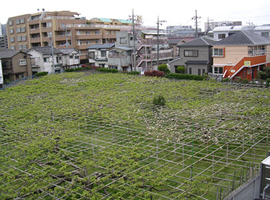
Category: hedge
[41,74]
[184,76]
[134,73]
[107,70]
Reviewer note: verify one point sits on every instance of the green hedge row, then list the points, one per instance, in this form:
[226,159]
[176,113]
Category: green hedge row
[134,73]
[41,74]
[184,76]
[107,70]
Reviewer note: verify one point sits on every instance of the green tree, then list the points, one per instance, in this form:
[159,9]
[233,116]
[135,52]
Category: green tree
[164,68]
[181,69]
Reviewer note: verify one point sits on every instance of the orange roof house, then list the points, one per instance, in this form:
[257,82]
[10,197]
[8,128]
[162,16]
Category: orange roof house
[241,55]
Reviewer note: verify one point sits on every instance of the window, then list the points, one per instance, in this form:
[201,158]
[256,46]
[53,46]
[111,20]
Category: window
[23,30]
[24,47]
[218,70]
[218,52]
[22,21]
[221,36]
[10,22]
[190,70]
[203,71]
[87,33]
[97,32]
[49,24]
[123,40]
[18,30]
[191,53]
[24,38]
[12,39]
[92,55]
[71,57]
[199,72]
[20,47]
[11,31]
[46,59]
[103,54]
[77,57]
[265,34]
[22,62]
[19,38]
[17,21]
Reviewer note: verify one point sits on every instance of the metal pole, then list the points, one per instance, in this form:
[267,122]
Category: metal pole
[157,42]
[133,25]
[52,56]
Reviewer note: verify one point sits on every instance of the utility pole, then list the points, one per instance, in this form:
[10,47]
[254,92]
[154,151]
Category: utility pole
[52,54]
[158,23]
[196,23]
[132,18]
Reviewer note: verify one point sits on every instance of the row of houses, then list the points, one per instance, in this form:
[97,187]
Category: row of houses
[241,55]
[21,64]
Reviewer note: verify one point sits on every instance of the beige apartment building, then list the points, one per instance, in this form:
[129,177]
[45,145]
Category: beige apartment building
[64,28]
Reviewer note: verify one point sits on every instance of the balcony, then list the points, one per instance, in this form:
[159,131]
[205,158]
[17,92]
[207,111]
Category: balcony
[91,36]
[62,38]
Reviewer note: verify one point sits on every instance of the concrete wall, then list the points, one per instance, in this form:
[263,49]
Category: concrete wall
[248,191]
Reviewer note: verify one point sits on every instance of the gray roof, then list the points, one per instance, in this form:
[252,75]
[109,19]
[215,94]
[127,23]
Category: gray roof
[123,48]
[202,41]
[68,50]
[101,46]
[7,53]
[244,37]
[197,62]
[46,50]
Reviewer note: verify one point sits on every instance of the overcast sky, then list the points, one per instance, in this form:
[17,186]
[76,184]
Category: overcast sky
[174,12]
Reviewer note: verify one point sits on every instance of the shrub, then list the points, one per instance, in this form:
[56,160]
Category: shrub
[78,69]
[154,73]
[69,70]
[159,100]
[185,76]
[181,69]
[107,70]
[134,73]
[244,81]
[164,68]
[225,80]
[41,74]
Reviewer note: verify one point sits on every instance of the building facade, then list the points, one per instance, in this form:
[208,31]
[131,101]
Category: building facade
[64,29]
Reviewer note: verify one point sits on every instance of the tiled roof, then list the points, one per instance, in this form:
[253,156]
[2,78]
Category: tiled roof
[244,38]
[46,50]
[101,46]
[7,53]
[202,41]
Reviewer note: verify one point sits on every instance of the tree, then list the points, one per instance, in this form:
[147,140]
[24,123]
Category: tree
[164,68]
[181,69]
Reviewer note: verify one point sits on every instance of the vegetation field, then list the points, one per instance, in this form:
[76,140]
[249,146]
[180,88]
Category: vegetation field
[100,136]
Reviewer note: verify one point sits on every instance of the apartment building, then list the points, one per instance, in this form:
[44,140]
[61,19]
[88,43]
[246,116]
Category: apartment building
[62,29]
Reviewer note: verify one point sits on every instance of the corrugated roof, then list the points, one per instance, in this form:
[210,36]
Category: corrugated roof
[124,21]
[105,19]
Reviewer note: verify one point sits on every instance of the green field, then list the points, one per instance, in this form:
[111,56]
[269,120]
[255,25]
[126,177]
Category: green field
[99,136]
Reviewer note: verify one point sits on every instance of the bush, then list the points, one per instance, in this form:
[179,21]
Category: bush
[107,70]
[41,74]
[185,76]
[69,70]
[78,69]
[225,80]
[159,100]
[181,69]
[164,68]
[134,73]
[154,73]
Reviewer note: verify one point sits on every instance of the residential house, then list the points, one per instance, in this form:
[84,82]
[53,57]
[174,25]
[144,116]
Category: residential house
[15,64]
[70,58]
[98,54]
[195,56]
[121,56]
[174,42]
[222,32]
[240,56]
[42,59]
